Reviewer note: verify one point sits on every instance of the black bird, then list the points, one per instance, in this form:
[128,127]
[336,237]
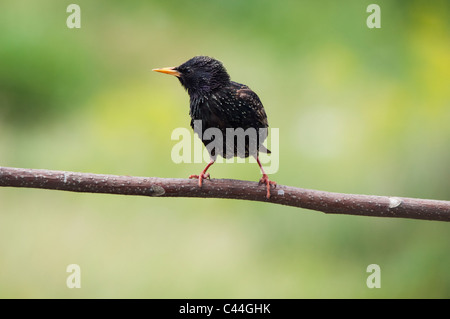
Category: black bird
[217,102]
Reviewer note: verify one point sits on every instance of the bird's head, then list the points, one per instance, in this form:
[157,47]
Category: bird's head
[199,75]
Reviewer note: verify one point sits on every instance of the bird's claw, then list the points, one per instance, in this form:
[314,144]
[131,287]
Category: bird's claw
[200,178]
[269,183]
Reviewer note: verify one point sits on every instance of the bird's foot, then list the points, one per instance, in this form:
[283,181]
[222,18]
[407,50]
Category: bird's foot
[200,178]
[265,180]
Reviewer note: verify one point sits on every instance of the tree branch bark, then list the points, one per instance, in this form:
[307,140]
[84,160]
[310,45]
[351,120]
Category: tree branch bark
[327,202]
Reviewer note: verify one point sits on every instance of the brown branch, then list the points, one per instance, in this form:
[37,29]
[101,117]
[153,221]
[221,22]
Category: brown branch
[330,203]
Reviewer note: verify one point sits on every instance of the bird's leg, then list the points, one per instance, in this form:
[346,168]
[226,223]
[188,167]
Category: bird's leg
[203,174]
[265,179]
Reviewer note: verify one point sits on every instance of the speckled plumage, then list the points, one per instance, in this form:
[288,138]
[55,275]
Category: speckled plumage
[220,103]
[233,106]
[217,102]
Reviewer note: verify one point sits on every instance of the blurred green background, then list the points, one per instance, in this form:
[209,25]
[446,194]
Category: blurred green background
[359,110]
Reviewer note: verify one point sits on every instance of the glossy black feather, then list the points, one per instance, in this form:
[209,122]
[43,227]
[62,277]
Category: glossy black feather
[220,103]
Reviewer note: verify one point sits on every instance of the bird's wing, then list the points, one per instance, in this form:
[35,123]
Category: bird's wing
[249,112]
[250,108]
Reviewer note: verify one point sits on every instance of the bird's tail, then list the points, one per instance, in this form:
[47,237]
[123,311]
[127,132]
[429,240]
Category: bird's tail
[264,149]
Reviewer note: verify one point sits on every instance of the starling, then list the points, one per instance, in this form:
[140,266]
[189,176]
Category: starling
[219,103]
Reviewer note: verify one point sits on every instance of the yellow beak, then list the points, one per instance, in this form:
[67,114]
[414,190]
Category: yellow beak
[170,71]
